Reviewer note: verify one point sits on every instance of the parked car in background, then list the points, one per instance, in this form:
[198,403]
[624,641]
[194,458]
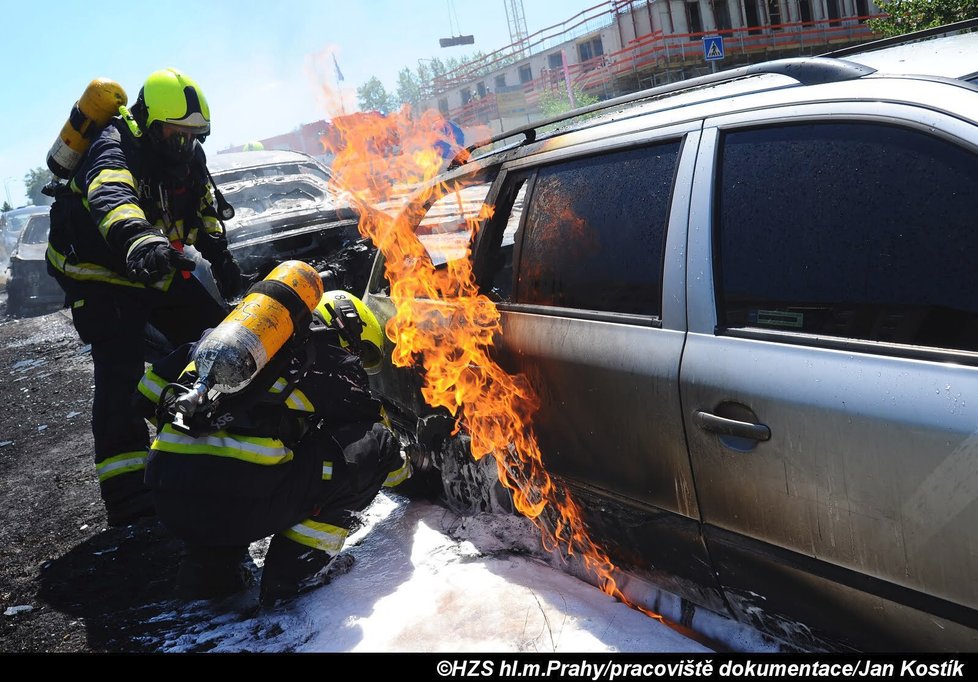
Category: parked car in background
[30,289]
[285,209]
[12,223]
[747,303]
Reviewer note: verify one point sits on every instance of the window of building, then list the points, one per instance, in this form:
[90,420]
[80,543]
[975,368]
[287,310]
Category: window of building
[595,232]
[826,229]
[752,17]
[555,60]
[805,10]
[774,14]
[862,10]
[590,49]
[466,94]
[443,106]
[500,81]
[694,18]
[834,11]
[526,75]
[480,88]
[721,14]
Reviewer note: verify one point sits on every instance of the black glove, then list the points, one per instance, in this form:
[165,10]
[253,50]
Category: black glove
[227,274]
[153,259]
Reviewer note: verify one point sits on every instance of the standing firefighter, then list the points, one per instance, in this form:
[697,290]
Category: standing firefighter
[293,452]
[136,196]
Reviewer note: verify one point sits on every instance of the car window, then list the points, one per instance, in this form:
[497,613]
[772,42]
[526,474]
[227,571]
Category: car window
[447,226]
[37,228]
[595,232]
[856,230]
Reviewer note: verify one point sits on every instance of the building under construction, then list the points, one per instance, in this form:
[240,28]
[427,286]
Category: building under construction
[621,46]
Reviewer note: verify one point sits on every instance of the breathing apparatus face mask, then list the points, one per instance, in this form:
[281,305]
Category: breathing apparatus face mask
[174,143]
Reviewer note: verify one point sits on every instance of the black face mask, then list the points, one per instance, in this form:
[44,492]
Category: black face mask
[175,148]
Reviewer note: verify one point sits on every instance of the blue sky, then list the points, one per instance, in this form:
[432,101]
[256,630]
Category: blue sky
[259,63]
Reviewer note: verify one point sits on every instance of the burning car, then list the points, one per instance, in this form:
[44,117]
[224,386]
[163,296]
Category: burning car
[285,209]
[720,338]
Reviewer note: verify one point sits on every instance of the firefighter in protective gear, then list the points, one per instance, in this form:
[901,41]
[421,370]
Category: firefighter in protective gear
[295,454]
[140,194]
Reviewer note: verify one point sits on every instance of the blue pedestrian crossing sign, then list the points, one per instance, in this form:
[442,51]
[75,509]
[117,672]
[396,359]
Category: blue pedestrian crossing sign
[713,48]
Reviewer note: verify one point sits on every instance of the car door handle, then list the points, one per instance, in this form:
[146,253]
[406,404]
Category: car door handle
[731,427]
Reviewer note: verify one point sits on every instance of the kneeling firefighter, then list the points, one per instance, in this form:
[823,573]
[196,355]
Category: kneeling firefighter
[267,427]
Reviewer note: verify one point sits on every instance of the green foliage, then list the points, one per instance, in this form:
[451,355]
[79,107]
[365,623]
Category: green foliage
[555,102]
[34,181]
[6,207]
[373,97]
[907,16]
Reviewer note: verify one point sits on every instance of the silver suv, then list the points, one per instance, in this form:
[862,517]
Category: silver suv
[749,304]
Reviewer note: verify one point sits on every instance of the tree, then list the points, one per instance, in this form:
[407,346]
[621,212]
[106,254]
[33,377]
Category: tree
[906,16]
[373,97]
[6,207]
[555,102]
[34,181]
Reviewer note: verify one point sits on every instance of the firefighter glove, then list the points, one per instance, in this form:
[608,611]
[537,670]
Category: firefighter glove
[152,259]
[228,274]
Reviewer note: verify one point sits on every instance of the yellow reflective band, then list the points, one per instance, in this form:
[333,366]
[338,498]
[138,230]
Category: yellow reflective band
[253,449]
[96,273]
[118,214]
[152,385]
[321,536]
[398,477]
[79,303]
[73,186]
[327,470]
[297,400]
[120,464]
[112,175]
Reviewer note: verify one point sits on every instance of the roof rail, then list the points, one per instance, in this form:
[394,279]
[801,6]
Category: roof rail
[905,38]
[805,70]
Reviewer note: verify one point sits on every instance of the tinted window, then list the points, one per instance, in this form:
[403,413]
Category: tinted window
[852,230]
[595,230]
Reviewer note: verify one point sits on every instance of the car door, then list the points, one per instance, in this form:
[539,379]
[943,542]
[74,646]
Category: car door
[830,375]
[590,279]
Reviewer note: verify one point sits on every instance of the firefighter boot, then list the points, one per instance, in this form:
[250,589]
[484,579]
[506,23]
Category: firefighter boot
[291,569]
[126,510]
[213,572]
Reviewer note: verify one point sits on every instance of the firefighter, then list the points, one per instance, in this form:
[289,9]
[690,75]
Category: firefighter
[138,195]
[295,454]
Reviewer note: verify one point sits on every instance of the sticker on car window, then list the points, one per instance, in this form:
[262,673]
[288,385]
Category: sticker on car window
[778,318]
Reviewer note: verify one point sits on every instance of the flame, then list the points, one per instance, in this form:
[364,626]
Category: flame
[446,325]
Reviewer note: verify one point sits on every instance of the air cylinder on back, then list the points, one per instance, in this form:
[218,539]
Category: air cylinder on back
[97,105]
[238,348]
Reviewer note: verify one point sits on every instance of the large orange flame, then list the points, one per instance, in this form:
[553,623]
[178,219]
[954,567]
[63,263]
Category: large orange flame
[443,322]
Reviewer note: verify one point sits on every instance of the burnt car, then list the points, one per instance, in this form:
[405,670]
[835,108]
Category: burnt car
[746,304]
[284,208]
[30,289]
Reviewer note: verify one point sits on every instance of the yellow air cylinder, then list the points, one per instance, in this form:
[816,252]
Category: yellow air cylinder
[97,105]
[238,348]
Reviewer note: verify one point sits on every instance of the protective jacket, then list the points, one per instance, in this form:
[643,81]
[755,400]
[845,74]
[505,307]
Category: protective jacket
[120,196]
